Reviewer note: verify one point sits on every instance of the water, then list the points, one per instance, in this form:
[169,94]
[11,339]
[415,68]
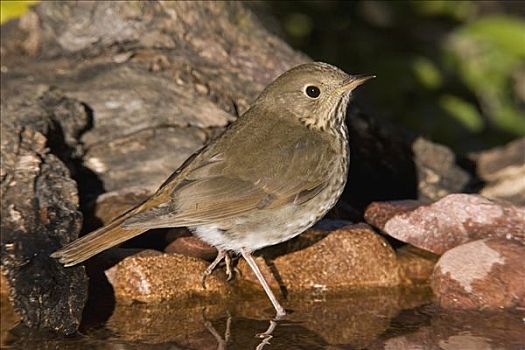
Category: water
[392,319]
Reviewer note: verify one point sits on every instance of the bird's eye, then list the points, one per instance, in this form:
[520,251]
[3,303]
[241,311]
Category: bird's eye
[312,91]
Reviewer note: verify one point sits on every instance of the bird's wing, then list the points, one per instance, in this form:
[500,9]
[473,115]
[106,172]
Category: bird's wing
[279,164]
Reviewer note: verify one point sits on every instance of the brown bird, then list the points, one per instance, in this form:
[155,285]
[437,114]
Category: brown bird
[271,175]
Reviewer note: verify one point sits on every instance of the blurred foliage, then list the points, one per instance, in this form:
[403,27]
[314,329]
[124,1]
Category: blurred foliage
[13,9]
[451,70]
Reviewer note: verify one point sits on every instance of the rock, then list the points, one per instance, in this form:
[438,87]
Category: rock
[5,289]
[40,206]
[378,213]
[349,257]
[111,204]
[454,329]
[9,319]
[484,274]
[111,257]
[191,246]
[201,325]
[155,323]
[153,279]
[391,164]
[415,265]
[352,320]
[503,170]
[437,171]
[449,222]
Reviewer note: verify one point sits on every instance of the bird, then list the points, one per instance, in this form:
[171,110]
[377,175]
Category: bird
[273,173]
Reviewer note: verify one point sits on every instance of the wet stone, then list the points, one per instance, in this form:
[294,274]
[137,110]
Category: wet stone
[153,279]
[449,222]
[352,256]
[415,265]
[364,315]
[484,274]
[454,329]
[352,319]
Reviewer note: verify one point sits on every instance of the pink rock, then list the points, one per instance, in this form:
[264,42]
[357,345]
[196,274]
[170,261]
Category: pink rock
[378,213]
[456,330]
[451,221]
[484,274]
[191,246]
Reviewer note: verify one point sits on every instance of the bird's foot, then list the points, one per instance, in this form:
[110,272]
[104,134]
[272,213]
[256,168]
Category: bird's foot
[230,270]
[221,254]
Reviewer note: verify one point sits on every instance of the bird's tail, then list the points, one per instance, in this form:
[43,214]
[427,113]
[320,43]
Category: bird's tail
[97,241]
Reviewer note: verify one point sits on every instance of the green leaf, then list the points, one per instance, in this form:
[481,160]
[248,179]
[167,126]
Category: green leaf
[463,111]
[13,9]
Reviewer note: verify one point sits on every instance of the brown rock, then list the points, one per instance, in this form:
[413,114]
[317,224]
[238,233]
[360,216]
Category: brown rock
[349,257]
[378,213]
[451,221]
[415,265]
[191,246]
[8,319]
[351,320]
[111,204]
[8,315]
[503,169]
[153,279]
[109,258]
[155,323]
[484,274]
[4,284]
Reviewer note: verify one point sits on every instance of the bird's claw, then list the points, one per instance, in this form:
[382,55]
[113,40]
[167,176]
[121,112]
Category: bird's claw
[230,270]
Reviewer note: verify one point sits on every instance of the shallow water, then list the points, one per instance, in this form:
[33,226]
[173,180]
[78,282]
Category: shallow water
[380,319]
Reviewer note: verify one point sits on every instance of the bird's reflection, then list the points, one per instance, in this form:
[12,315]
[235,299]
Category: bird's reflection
[365,321]
[222,341]
[267,335]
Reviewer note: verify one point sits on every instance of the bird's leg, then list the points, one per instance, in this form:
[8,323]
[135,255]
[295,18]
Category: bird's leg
[220,255]
[229,270]
[221,343]
[253,265]
[266,336]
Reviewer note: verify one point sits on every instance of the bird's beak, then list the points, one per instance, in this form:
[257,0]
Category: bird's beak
[355,80]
